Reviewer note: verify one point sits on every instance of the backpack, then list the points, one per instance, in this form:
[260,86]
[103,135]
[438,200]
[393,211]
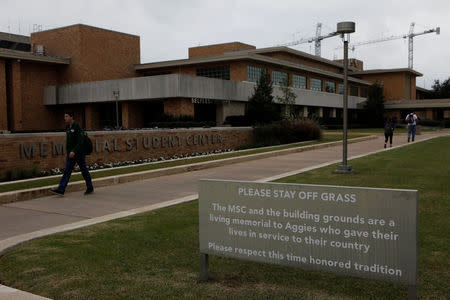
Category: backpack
[87,145]
[387,128]
[410,119]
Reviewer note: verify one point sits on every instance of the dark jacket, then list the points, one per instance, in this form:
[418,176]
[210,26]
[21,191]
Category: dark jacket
[74,138]
[389,127]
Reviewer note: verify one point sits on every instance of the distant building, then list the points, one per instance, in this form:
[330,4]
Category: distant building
[88,70]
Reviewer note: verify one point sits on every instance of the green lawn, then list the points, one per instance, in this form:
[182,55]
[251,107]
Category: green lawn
[155,255]
[139,168]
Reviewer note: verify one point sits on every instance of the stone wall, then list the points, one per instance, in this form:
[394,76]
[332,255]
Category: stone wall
[47,150]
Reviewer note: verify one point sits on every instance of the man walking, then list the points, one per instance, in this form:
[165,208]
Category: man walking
[75,154]
[411,119]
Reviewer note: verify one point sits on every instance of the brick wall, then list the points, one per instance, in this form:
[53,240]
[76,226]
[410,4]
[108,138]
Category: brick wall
[3,103]
[96,54]
[40,149]
[178,107]
[212,50]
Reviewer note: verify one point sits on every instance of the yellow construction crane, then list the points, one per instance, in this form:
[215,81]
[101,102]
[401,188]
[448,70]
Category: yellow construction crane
[409,35]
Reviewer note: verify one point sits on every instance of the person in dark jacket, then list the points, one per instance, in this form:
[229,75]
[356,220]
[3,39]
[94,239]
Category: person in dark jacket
[389,127]
[75,154]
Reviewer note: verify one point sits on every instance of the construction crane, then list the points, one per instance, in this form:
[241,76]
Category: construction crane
[316,39]
[409,35]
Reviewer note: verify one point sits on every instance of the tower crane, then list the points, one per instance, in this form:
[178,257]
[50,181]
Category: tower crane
[409,35]
[316,39]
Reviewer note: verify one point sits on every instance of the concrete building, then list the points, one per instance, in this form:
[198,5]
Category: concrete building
[97,74]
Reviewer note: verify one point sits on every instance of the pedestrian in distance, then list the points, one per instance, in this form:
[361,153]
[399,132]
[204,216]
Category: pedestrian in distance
[75,154]
[389,126]
[411,119]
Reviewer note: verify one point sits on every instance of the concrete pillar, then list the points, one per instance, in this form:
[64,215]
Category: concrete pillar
[320,112]
[3,103]
[333,113]
[429,114]
[225,109]
[305,111]
[132,115]
[16,96]
[178,107]
[91,117]
[447,113]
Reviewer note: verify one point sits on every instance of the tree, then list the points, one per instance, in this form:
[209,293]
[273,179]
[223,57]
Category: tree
[441,90]
[374,107]
[288,99]
[261,108]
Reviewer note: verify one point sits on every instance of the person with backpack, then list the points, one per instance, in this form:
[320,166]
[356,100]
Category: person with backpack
[411,119]
[389,127]
[75,140]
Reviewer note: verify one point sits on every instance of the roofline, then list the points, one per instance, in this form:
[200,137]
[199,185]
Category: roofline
[29,56]
[243,55]
[218,44]
[296,52]
[423,89]
[379,71]
[84,25]
[417,103]
[16,38]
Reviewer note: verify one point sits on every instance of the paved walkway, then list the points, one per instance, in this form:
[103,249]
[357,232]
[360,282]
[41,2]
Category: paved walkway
[21,221]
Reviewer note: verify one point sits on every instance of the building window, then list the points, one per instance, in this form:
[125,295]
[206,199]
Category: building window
[364,91]
[298,82]
[254,73]
[341,88]
[353,90]
[278,78]
[316,84]
[220,72]
[330,87]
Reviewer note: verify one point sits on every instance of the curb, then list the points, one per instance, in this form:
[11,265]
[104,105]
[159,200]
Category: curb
[28,194]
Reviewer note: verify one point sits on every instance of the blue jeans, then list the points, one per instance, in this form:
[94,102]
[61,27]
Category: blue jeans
[411,131]
[80,159]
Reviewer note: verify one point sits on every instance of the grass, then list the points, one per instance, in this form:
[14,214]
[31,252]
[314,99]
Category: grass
[139,168]
[155,255]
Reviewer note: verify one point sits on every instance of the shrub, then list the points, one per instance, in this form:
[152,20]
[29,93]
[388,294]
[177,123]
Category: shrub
[22,173]
[237,121]
[287,132]
[181,124]
[431,123]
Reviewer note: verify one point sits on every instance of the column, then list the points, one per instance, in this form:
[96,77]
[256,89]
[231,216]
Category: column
[3,102]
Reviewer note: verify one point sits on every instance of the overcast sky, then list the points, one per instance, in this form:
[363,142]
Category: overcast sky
[167,28]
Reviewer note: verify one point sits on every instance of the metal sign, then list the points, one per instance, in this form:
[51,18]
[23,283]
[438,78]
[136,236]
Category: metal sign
[363,232]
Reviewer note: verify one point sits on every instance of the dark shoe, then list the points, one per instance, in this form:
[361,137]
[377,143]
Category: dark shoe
[57,192]
[89,191]
[408,140]
[384,145]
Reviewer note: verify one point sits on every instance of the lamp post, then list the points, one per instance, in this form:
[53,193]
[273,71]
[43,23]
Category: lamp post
[345,28]
[116,95]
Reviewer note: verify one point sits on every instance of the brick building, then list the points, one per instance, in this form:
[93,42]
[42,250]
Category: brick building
[97,74]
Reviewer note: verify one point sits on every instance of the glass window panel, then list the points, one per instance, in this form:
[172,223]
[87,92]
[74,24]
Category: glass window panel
[298,81]
[279,77]
[330,87]
[221,72]
[254,73]
[316,84]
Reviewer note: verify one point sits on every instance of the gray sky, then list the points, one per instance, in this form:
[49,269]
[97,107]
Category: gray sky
[169,27]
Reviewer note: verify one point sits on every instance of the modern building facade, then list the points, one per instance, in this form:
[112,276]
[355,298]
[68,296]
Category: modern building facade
[97,74]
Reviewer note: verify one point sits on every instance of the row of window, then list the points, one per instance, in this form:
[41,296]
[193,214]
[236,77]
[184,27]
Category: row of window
[280,78]
[299,82]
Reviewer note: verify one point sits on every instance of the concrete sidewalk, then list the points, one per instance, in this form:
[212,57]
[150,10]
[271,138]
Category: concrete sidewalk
[26,220]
